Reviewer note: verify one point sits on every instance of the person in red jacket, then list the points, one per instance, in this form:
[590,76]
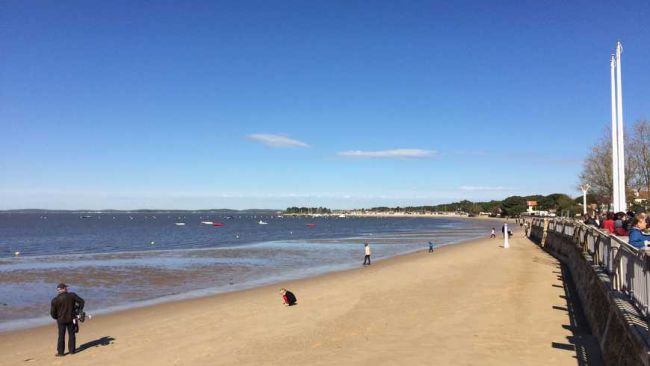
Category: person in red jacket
[288,298]
[608,224]
[619,224]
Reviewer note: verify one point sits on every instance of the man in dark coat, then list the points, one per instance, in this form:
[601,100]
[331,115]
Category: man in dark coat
[63,310]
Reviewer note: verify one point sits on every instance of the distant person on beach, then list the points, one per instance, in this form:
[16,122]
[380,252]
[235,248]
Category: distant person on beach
[366,259]
[493,234]
[430,247]
[288,298]
[62,309]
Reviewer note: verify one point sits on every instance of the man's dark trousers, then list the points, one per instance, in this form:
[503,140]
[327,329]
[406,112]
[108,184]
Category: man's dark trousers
[60,347]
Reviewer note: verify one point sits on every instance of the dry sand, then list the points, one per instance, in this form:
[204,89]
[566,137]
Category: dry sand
[469,304]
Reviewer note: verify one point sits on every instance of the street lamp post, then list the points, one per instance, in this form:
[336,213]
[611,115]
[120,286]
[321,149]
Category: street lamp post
[585,187]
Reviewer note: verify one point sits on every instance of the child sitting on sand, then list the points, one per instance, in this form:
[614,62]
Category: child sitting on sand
[288,298]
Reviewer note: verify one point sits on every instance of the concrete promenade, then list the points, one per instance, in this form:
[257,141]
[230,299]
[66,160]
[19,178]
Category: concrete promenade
[469,304]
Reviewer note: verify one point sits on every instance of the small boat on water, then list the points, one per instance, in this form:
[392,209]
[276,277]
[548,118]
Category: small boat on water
[217,224]
[342,216]
[206,222]
[311,226]
[262,222]
[85,217]
[180,224]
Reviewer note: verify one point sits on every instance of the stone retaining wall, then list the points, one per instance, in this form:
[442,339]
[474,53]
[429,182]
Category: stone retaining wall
[621,330]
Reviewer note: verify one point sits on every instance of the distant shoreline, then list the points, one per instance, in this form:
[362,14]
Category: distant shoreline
[224,210]
[337,213]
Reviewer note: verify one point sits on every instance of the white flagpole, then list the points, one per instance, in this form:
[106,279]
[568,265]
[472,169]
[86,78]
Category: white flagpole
[614,139]
[621,143]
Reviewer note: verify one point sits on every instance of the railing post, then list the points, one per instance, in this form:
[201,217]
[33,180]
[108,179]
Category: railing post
[545,227]
[615,274]
[584,241]
[596,257]
[646,268]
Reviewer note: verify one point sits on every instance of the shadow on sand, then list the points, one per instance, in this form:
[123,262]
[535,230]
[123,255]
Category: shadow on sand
[582,342]
[103,341]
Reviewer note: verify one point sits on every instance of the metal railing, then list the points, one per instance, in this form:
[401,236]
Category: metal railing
[627,266]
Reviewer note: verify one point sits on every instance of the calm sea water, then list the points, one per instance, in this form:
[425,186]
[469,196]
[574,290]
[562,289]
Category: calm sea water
[117,261]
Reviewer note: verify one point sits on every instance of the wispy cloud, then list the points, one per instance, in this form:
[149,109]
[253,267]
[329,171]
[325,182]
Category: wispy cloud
[389,154]
[485,188]
[276,140]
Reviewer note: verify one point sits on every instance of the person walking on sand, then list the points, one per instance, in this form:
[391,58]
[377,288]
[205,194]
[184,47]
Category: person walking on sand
[366,259]
[430,247]
[62,309]
[493,234]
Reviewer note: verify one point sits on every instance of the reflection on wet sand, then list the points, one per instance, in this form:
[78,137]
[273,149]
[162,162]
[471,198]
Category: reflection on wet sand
[108,280]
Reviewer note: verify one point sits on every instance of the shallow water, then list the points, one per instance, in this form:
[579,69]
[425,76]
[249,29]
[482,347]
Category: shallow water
[113,264]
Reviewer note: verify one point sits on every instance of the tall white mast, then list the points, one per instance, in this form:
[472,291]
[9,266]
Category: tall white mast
[615,205]
[621,144]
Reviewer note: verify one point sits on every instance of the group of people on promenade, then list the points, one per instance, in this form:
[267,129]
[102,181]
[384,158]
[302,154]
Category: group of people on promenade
[628,224]
[617,223]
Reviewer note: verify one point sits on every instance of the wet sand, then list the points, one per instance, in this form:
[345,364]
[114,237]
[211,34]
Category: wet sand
[468,304]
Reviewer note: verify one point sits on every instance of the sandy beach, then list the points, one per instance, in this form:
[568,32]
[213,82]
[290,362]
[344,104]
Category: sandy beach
[469,304]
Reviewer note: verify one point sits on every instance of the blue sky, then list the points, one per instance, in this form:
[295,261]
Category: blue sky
[258,104]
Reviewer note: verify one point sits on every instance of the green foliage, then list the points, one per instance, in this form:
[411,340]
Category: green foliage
[513,206]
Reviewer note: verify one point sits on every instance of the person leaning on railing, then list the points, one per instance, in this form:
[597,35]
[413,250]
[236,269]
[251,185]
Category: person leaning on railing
[637,237]
[620,224]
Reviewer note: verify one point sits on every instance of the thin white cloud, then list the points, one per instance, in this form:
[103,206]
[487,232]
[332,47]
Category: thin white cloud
[485,188]
[389,154]
[276,140]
